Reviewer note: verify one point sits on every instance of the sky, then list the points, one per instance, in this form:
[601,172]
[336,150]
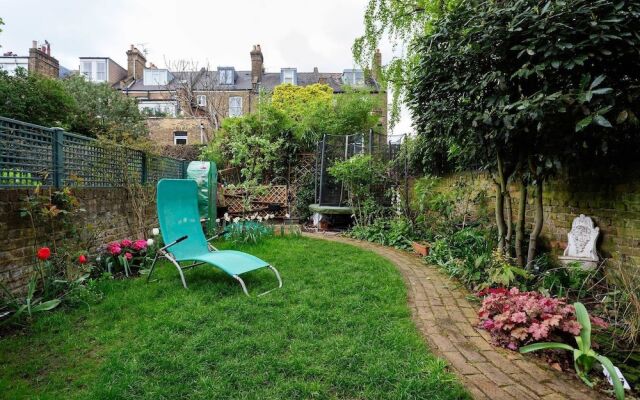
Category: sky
[292,33]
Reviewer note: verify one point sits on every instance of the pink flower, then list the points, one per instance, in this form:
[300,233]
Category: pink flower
[114,248]
[139,245]
[128,256]
[125,243]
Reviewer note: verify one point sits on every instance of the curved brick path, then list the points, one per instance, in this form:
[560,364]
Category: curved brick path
[447,321]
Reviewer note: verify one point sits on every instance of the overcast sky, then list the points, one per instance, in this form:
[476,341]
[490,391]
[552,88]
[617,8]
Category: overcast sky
[292,33]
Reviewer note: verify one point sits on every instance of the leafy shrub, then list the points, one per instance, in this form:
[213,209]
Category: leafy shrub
[503,271]
[395,232]
[514,318]
[465,255]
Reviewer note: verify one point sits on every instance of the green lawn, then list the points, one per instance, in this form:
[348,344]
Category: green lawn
[339,328]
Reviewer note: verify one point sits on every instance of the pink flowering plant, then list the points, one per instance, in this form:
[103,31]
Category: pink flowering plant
[515,318]
[128,256]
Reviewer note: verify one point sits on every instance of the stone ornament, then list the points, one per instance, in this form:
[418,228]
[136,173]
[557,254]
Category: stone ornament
[582,243]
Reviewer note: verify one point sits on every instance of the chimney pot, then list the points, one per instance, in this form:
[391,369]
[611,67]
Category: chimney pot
[34,44]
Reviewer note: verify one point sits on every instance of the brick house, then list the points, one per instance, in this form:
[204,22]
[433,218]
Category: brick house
[187,106]
[38,61]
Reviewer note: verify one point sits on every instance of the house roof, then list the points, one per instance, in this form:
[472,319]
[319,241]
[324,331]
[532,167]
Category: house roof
[208,80]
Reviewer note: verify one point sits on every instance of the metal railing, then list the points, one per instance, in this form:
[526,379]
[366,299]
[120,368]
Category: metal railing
[33,155]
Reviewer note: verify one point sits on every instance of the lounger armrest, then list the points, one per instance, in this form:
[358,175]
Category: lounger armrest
[213,237]
[178,240]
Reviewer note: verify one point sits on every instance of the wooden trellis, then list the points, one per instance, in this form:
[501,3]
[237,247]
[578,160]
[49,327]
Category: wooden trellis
[273,201]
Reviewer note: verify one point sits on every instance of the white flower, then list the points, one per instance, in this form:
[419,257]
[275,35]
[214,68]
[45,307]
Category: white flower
[266,217]
[271,216]
[252,217]
[287,215]
[236,220]
[155,231]
[259,219]
[217,220]
[149,242]
[226,217]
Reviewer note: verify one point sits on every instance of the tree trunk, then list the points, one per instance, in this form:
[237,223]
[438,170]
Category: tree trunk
[522,207]
[502,227]
[509,221]
[537,225]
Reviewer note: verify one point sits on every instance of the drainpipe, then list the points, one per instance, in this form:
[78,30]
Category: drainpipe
[201,133]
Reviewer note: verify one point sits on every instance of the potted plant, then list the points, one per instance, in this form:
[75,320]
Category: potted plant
[421,248]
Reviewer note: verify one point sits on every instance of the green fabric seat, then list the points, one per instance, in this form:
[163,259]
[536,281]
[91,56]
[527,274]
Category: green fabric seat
[184,238]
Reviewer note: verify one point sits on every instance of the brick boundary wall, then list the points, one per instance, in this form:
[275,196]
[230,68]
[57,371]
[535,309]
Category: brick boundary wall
[108,216]
[613,204]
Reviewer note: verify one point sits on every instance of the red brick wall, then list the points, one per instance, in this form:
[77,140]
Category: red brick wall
[108,215]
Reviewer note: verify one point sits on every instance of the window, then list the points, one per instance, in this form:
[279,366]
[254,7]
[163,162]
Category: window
[227,76]
[235,106]
[201,100]
[179,137]
[353,77]
[158,108]
[155,77]
[101,71]
[288,75]
[86,69]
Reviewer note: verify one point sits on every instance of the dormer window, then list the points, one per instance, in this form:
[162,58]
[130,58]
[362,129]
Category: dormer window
[227,75]
[353,77]
[289,75]
[156,77]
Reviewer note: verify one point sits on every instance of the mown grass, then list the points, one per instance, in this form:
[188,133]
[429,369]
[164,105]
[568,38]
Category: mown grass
[339,328]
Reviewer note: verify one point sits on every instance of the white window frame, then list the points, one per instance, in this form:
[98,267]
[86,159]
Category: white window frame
[201,100]
[289,79]
[184,135]
[235,110]
[88,73]
[101,76]
[226,76]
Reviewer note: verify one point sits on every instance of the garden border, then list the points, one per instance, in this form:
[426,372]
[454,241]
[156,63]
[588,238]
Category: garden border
[448,321]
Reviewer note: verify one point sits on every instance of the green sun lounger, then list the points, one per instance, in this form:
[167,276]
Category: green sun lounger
[184,238]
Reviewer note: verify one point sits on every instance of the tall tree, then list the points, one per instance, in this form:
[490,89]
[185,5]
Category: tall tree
[524,88]
[104,112]
[36,99]
[399,22]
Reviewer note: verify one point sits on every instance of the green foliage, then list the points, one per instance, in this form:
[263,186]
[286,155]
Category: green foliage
[395,232]
[465,255]
[398,22]
[505,78]
[584,356]
[29,305]
[503,271]
[104,112]
[359,174]
[247,232]
[36,99]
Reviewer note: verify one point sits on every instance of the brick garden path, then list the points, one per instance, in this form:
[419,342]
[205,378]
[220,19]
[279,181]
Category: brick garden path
[448,323]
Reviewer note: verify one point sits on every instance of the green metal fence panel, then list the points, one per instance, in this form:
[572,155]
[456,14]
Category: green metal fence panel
[26,154]
[32,154]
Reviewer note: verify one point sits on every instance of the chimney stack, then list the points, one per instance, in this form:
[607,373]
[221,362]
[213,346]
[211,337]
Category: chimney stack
[257,61]
[376,68]
[136,62]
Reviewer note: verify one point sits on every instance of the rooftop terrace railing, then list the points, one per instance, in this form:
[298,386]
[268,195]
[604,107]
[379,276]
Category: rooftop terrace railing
[33,155]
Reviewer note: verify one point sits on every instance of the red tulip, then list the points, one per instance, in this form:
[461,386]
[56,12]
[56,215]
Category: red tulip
[82,259]
[128,256]
[44,253]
